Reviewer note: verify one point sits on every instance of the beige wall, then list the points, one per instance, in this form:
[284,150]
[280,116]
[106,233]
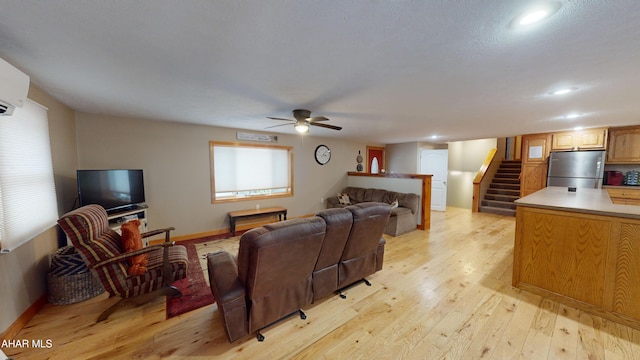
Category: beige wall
[175,160]
[23,271]
[402,158]
[465,159]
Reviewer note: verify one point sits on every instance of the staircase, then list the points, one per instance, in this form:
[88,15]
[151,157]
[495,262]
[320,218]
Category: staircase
[504,190]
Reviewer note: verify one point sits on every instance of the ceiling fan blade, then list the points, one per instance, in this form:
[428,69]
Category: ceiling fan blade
[269,127]
[275,118]
[326,126]
[317,118]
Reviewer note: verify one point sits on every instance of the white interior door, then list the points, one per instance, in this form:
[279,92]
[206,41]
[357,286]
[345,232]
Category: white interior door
[436,163]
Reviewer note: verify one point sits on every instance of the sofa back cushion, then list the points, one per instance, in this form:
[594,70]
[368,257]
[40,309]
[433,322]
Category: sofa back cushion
[275,263]
[356,194]
[359,256]
[325,274]
[338,226]
[360,195]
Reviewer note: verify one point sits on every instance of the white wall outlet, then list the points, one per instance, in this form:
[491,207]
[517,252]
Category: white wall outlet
[321,200]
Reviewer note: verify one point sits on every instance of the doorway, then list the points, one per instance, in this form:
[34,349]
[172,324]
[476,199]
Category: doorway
[375,159]
[436,163]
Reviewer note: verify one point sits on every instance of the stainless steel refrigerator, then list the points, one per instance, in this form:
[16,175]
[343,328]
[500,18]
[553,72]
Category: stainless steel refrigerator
[582,169]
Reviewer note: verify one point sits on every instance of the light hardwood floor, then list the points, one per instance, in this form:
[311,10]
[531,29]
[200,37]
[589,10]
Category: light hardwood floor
[443,294]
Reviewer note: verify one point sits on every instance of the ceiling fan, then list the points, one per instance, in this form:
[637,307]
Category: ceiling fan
[303,119]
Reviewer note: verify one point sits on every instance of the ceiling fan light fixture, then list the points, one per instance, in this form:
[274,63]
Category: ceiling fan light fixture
[301,127]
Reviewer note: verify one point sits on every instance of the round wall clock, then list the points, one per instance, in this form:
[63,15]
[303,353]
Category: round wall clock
[322,154]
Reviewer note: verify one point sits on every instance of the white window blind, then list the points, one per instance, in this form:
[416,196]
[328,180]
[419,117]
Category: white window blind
[28,203]
[242,171]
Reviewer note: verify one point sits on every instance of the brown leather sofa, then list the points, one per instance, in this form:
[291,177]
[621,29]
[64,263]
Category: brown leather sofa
[325,274]
[283,267]
[364,250]
[403,218]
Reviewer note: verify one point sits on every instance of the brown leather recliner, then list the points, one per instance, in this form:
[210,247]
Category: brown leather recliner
[325,274]
[364,250]
[272,278]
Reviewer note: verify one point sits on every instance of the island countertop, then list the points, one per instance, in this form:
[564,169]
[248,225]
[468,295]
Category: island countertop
[590,201]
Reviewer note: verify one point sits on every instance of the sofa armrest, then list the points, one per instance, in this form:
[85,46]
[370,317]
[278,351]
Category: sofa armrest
[229,293]
[333,202]
[409,201]
[125,256]
[380,254]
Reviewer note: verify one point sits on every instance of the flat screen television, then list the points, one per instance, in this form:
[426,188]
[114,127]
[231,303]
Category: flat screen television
[114,189]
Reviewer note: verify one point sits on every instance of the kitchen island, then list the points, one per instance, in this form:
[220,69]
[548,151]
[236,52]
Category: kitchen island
[580,249]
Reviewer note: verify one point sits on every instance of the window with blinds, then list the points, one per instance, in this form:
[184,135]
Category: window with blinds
[247,171]
[28,204]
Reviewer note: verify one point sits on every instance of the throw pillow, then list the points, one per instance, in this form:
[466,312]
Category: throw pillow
[394,204]
[132,240]
[344,199]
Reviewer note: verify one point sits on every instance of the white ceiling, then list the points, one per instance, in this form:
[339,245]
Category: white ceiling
[386,71]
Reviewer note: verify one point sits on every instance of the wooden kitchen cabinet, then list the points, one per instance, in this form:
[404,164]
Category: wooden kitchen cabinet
[535,153]
[624,145]
[533,178]
[587,139]
[624,195]
[535,148]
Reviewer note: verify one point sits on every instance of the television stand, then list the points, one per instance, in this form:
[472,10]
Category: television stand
[119,217]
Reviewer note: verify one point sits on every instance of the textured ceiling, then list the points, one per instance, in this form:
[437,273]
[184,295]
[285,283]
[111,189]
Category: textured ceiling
[385,71]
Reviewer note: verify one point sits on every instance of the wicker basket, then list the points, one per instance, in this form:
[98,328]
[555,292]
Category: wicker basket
[69,280]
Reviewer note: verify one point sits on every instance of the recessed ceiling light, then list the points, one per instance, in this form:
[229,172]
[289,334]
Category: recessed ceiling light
[572,116]
[534,16]
[537,13]
[434,136]
[578,128]
[563,91]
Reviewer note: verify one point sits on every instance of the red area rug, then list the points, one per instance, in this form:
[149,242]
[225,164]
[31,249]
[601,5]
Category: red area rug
[195,290]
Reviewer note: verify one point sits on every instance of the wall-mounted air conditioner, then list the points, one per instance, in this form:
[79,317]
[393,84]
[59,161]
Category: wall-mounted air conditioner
[14,88]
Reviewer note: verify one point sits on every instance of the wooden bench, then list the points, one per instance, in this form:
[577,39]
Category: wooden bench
[248,214]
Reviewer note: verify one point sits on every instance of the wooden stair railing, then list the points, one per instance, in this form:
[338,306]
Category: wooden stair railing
[477,180]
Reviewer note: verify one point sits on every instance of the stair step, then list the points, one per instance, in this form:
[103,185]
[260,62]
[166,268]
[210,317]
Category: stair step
[501,197]
[514,175]
[509,170]
[499,204]
[510,192]
[503,190]
[501,180]
[497,211]
[505,186]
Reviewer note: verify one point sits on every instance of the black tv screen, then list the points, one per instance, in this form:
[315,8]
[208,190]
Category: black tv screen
[112,189]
